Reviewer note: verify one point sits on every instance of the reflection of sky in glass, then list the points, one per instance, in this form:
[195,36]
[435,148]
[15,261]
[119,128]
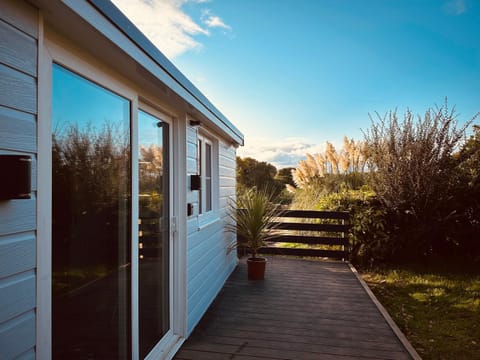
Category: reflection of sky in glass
[148,131]
[82,103]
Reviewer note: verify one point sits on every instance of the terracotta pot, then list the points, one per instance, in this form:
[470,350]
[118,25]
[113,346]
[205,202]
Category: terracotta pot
[256,268]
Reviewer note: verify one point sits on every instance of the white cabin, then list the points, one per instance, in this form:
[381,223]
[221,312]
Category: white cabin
[116,175]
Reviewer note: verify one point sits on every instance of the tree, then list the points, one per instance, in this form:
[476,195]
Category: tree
[284,176]
[255,174]
[413,175]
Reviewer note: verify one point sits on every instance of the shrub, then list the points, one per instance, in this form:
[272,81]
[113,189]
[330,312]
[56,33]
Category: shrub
[369,238]
[413,174]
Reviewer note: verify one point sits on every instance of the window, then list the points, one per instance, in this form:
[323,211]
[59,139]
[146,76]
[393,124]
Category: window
[205,170]
[91,237]
[154,244]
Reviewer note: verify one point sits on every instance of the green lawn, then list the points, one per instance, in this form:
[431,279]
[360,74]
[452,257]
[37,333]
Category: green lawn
[438,311]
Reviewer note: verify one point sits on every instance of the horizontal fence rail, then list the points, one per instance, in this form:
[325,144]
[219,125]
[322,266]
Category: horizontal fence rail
[326,230]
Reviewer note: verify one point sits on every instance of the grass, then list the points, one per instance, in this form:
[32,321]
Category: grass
[438,310]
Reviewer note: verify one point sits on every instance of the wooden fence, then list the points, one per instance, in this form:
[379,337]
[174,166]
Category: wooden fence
[326,228]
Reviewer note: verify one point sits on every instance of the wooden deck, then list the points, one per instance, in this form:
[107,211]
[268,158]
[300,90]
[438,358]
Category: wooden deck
[304,309]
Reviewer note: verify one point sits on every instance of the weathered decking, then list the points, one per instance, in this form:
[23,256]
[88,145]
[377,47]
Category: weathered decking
[302,310]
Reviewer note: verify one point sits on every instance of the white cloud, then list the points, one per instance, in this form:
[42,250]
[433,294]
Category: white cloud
[284,153]
[167,25]
[213,21]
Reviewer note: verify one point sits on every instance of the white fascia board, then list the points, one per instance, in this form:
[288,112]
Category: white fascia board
[113,25]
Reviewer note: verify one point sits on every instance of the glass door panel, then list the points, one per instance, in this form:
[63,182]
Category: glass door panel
[154,234]
[91,220]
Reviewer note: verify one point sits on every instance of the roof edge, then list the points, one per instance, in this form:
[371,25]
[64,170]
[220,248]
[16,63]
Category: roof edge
[116,17]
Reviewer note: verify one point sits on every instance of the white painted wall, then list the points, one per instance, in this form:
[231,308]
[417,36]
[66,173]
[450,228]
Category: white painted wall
[209,260]
[18,116]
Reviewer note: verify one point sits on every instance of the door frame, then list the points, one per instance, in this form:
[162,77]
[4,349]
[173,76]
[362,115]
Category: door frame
[55,49]
[160,347]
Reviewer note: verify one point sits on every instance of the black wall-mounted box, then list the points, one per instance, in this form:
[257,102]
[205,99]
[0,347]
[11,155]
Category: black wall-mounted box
[15,181]
[195,182]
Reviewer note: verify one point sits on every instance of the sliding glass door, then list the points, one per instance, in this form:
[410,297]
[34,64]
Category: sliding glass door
[94,276]
[91,220]
[154,234]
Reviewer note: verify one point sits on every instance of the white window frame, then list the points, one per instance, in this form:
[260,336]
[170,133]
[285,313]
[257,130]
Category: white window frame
[206,217]
[158,349]
[54,49]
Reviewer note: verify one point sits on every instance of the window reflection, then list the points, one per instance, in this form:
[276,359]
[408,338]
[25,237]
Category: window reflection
[90,220]
[154,231]
[205,171]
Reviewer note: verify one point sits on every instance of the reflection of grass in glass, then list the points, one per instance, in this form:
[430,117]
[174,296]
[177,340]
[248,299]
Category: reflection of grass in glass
[150,202]
[64,281]
[308,246]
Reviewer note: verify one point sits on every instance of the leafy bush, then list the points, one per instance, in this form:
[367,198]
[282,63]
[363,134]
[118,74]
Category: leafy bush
[466,229]
[415,177]
[369,236]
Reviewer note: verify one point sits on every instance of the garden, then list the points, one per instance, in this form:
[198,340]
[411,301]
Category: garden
[412,187]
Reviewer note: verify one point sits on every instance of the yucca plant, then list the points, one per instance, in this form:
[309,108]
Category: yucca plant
[251,216]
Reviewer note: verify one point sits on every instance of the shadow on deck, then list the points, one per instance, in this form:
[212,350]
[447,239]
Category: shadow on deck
[304,309]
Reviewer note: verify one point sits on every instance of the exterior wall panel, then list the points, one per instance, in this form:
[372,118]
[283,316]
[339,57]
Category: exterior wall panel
[17,253]
[17,336]
[209,260]
[17,49]
[17,130]
[18,90]
[18,110]
[17,295]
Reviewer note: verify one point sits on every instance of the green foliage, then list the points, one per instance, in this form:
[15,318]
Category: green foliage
[250,215]
[255,174]
[415,176]
[307,198]
[369,236]
[262,175]
[467,197]
[285,177]
[418,197]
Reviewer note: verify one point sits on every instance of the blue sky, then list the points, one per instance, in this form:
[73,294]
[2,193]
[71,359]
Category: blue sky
[293,74]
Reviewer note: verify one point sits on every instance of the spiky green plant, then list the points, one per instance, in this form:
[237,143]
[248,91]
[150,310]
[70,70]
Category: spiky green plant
[251,216]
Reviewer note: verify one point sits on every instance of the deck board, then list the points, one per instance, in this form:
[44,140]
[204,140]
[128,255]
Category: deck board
[304,309]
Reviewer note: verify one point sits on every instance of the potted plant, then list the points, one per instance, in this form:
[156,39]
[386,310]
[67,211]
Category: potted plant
[251,216]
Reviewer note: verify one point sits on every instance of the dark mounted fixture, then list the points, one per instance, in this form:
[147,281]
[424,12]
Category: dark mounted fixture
[195,182]
[189,209]
[195,123]
[15,181]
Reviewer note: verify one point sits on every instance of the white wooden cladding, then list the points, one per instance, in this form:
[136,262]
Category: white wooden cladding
[18,110]
[17,49]
[209,260]
[17,130]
